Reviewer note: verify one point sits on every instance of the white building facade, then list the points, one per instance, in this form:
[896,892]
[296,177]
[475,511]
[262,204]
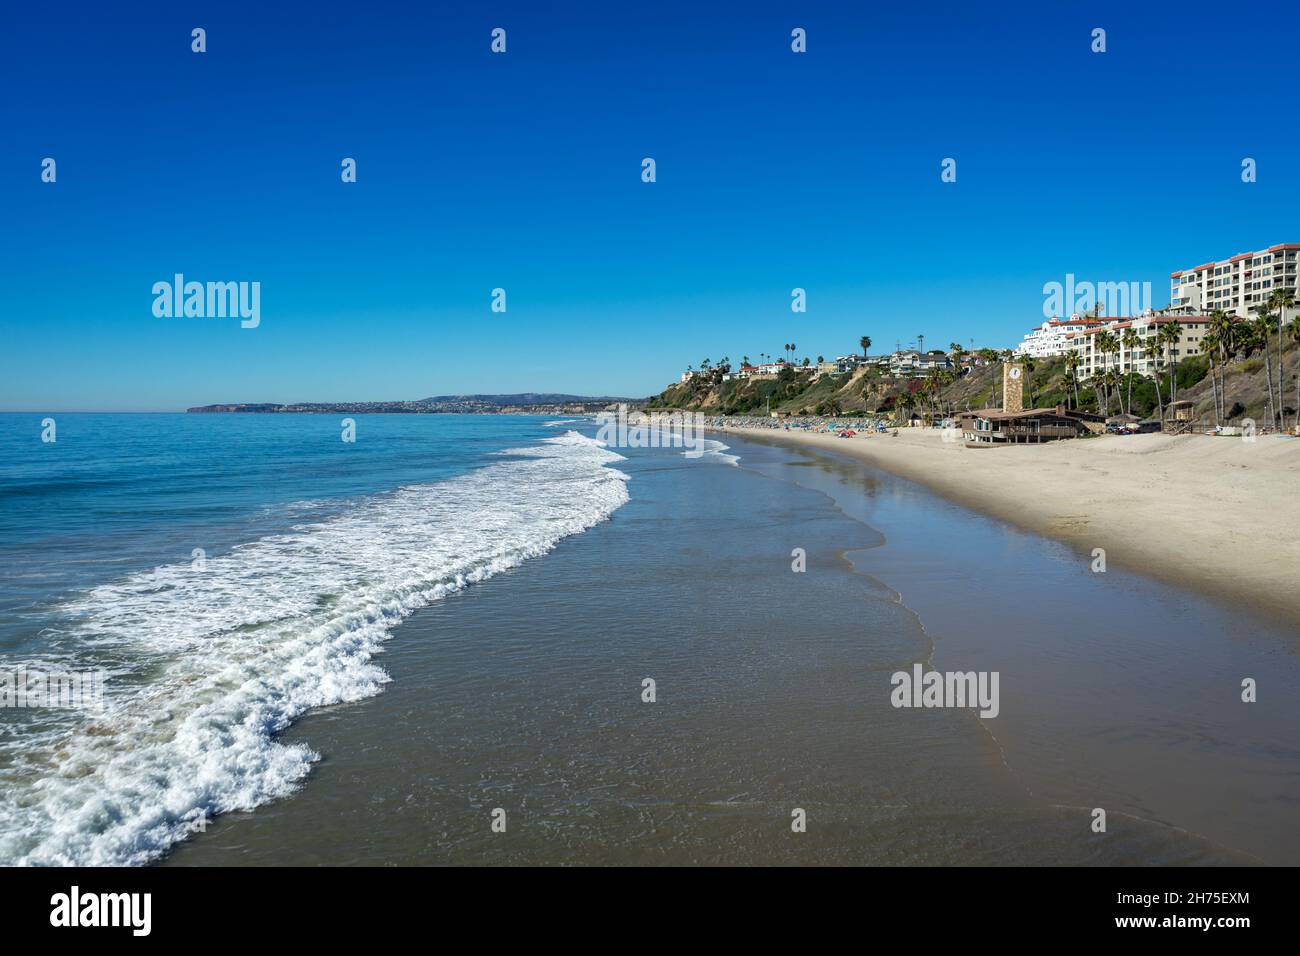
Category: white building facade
[1093,361]
[1235,285]
[1056,336]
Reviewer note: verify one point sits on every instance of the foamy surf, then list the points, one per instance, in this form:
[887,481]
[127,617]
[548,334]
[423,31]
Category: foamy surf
[717,451]
[217,661]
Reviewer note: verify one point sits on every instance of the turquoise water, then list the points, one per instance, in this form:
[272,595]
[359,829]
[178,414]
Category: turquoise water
[227,573]
[121,493]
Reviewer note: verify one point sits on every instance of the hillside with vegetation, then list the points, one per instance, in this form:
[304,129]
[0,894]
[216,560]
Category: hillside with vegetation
[1237,377]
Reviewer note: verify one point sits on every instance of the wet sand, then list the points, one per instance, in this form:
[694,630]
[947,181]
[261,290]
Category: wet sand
[1217,515]
[524,693]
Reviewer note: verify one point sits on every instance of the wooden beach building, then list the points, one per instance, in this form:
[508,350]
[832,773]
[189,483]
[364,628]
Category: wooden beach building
[1032,426]
[1013,424]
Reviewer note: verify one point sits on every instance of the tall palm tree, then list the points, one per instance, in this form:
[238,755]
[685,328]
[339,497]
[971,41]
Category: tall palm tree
[1223,329]
[1295,334]
[1282,299]
[865,342]
[1072,361]
[1115,379]
[1210,346]
[1152,350]
[1131,342]
[933,383]
[1170,333]
[1102,345]
[1262,327]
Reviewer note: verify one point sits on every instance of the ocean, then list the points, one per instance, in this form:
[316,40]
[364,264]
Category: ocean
[310,550]
[432,646]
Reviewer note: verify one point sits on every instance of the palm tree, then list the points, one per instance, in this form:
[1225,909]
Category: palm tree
[1262,326]
[902,401]
[1072,361]
[1115,379]
[1094,382]
[1131,342]
[1223,330]
[865,343]
[1210,345]
[1111,378]
[1295,334]
[1152,350]
[1282,299]
[1029,366]
[1170,333]
[1102,345]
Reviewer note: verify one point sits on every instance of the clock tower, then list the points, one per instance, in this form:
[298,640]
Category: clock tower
[1013,387]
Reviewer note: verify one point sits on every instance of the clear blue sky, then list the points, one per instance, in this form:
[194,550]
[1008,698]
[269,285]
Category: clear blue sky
[522,171]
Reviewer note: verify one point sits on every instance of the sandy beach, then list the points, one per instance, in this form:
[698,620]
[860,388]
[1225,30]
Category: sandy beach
[1215,514]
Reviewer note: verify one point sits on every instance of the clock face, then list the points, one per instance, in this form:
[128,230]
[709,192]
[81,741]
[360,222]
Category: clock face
[1015,373]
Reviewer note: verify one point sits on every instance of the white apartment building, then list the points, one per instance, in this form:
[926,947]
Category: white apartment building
[1092,361]
[1054,337]
[1234,285]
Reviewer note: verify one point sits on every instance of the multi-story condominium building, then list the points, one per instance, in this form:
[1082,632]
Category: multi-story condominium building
[1235,285]
[1127,360]
[1054,337]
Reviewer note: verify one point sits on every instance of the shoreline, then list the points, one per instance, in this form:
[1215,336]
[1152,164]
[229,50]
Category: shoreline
[1215,515]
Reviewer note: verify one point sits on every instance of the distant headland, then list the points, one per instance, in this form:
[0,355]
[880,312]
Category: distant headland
[524,403]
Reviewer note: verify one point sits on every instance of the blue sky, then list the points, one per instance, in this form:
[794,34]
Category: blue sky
[522,171]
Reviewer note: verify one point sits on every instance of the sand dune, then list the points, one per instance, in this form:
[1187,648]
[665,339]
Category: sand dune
[1217,514]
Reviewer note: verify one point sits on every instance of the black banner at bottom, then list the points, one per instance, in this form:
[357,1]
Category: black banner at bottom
[255,906]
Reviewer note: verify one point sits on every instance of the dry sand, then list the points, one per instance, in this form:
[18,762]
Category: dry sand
[1220,515]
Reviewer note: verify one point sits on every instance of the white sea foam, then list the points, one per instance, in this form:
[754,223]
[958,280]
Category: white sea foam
[226,657]
[563,421]
[718,451]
